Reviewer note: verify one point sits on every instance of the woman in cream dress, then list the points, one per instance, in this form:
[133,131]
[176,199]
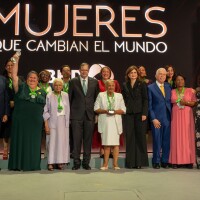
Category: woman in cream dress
[110,106]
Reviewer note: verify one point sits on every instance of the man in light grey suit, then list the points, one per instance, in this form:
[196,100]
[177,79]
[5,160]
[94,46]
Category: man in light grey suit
[83,91]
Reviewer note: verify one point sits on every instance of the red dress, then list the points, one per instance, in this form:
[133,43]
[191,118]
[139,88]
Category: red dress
[96,142]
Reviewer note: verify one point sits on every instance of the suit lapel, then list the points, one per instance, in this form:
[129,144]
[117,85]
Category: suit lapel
[132,90]
[80,85]
[166,92]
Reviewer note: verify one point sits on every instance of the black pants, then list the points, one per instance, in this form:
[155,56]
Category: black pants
[82,131]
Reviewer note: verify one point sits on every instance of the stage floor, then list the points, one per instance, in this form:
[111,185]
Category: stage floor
[145,184]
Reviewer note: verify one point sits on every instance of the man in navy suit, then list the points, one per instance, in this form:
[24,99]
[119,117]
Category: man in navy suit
[83,91]
[160,115]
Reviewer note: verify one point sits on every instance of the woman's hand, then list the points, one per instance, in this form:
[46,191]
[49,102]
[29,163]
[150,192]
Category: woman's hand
[5,118]
[46,128]
[144,117]
[12,104]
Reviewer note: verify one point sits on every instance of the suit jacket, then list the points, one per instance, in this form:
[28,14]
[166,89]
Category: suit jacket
[50,109]
[159,106]
[101,103]
[4,99]
[136,98]
[81,104]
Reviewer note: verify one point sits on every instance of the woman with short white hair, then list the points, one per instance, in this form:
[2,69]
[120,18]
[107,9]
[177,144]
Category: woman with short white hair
[56,117]
[110,106]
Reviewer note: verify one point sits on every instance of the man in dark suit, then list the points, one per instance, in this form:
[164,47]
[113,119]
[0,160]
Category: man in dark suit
[83,91]
[4,102]
[160,114]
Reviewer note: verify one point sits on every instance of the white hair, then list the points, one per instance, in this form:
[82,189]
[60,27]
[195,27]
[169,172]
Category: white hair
[57,80]
[160,69]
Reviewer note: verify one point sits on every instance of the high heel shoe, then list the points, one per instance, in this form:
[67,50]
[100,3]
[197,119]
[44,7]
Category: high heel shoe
[60,166]
[104,168]
[50,167]
[5,154]
[116,168]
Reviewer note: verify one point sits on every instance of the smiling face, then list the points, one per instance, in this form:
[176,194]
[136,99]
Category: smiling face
[179,81]
[142,71]
[105,73]
[133,75]
[170,72]
[32,80]
[9,67]
[58,86]
[45,77]
[66,72]
[110,86]
[84,70]
[161,75]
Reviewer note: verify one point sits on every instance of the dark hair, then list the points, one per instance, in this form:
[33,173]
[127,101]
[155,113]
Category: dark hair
[64,67]
[106,67]
[45,71]
[181,75]
[133,67]
[83,64]
[168,66]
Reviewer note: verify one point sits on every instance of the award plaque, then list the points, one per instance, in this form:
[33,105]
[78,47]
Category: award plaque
[111,112]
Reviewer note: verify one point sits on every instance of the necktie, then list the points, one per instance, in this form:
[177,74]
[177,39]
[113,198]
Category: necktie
[84,87]
[162,90]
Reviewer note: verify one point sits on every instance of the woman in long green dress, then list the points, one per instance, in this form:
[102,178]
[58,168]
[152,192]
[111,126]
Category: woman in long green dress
[26,131]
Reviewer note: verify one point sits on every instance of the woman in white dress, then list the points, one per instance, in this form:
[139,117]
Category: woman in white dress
[56,117]
[110,106]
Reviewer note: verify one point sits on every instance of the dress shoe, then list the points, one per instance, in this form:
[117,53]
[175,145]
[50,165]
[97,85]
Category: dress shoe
[104,168]
[86,167]
[164,165]
[174,166]
[71,155]
[75,167]
[189,166]
[156,165]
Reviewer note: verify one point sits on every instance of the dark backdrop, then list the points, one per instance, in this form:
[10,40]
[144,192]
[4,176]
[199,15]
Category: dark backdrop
[181,17]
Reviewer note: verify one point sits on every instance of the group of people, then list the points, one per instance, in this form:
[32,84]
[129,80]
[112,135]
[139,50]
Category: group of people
[67,111]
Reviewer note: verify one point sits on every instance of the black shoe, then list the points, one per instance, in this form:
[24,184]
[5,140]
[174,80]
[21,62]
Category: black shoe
[174,166]
[101,156]
[111,156]
[156,165]
[75,167]
[165,165]
[71,155]
[86,167]
[189,166]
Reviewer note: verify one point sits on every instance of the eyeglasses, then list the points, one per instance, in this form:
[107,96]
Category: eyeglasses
[44,75]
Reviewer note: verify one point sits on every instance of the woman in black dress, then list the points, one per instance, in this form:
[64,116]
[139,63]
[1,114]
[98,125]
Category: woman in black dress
[136,100]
